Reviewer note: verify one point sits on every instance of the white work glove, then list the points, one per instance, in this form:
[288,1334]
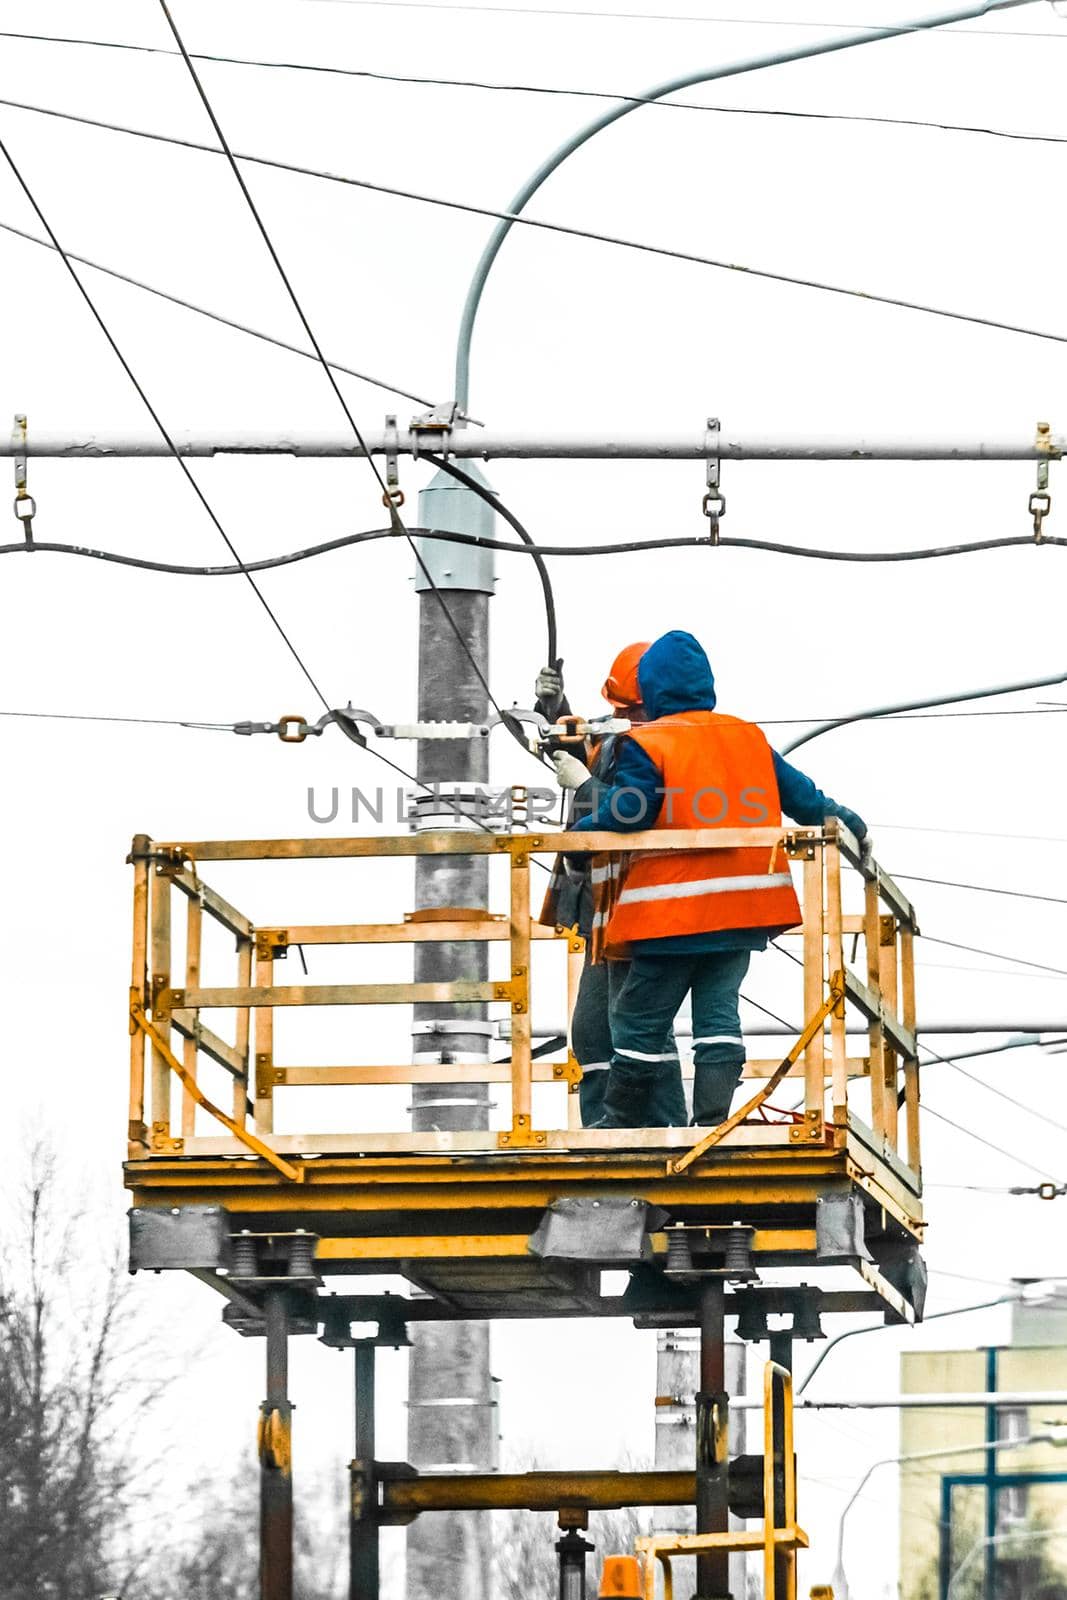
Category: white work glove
[570,772]
[549,689]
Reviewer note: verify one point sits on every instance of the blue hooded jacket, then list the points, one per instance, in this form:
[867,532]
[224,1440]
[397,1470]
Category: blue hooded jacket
[675,675]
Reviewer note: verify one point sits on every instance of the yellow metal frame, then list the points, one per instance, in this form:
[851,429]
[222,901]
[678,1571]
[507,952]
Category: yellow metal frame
[163,1004]
[776,1541]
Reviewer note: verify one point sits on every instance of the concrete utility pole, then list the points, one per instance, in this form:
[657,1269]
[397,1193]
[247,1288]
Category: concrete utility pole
[451,1417]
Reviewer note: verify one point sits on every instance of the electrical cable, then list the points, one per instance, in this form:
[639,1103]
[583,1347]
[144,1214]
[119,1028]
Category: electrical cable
[491,499]
[974,833]
[877,1327]
[791,279]
[1018,1042]
[982,888]
[216,316]
[813,554]
[1009,1155]
[1020,1105]
[996,955]
[772,1014]
[544,89]
[394,514]
[1020,977]
[874,712]
[157,419]
[79,716]
[185,469]
[652,16]
[918,716]
[535,551]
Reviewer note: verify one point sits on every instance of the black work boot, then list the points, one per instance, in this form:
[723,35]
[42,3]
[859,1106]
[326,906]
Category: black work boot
[714,1083]
[627,1099]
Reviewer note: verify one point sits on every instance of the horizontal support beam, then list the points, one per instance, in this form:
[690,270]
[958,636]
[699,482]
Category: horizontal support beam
[501,1246]
[692,1544]
[535,1491]
[303,1077]
[397,1308]
[484,844]
[461,992]
[609,1142]
[419,1072]
[498,444]
[760,1028]
[484,929]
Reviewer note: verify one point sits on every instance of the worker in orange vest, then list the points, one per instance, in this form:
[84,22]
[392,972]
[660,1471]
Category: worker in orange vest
[580,892]
[688,920]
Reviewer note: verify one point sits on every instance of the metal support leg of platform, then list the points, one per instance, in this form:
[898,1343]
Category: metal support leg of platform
[275,1459]
[572,1550]
[784,1561]
[712,1454]
[364,1575]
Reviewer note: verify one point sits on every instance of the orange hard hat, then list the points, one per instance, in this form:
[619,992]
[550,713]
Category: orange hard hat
[621,1579]
[621,687]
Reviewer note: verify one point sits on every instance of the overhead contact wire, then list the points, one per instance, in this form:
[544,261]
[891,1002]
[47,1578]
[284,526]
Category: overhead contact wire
[527,548]
[1020,1105]
[217,316]
[1009,1155]
[791,279]
[544,89]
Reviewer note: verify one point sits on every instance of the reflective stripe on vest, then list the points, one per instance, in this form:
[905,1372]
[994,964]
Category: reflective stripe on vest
[667,893]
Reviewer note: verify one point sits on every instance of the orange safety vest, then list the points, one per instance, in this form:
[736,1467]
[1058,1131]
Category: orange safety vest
[717,772]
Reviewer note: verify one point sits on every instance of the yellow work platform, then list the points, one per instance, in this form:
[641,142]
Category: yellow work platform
[519,1220]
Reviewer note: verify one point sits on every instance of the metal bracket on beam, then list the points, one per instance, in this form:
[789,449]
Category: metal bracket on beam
[437,423]
[714,504]
[25,505]
[1040,501]
[393,496]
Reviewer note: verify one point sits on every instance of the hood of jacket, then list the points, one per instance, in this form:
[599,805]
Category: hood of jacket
[675,675]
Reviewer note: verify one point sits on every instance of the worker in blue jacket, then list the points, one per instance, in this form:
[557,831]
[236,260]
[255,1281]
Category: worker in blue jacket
[687,930]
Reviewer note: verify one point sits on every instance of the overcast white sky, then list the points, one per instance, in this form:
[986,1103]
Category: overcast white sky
[572,335]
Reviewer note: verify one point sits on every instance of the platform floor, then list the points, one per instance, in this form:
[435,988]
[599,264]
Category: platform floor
[455,1216]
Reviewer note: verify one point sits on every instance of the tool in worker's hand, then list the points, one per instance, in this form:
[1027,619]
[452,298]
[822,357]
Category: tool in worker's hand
[570,732]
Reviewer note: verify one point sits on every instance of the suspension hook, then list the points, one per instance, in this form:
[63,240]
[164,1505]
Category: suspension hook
[714,503]
[25,504]
[1040,503]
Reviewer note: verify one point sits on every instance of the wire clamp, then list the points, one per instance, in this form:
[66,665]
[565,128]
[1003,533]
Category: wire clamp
[714,503]
[1041,501]
[394,494]
[25,504]
[439,421]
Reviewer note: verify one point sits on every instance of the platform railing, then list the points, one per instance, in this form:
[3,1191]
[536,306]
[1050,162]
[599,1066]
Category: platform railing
[166,1006]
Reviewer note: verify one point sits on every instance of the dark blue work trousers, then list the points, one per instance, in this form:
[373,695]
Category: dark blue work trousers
[643,1009]
[591,1025]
